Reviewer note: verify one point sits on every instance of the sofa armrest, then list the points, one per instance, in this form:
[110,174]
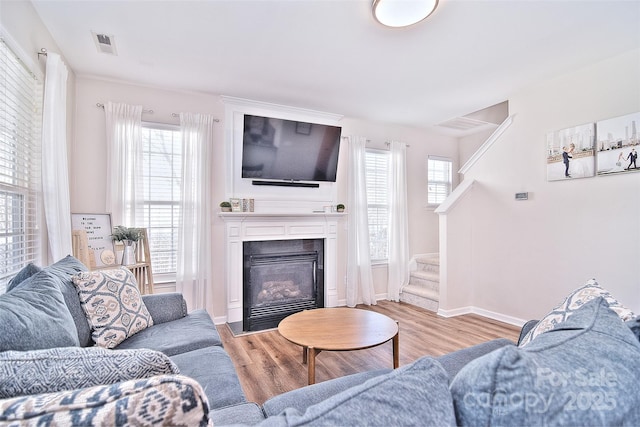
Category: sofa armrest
[165,307]
[453,362]
[304,397]
[526,328]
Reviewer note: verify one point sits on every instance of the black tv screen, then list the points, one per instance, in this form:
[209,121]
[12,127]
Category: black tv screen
[278,149]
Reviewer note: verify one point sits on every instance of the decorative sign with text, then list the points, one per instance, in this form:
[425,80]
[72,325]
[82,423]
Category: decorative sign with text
[99,241]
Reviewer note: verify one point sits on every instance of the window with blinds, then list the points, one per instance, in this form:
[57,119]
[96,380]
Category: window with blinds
[438,179]
[20,141]
[162,151]
[377,178]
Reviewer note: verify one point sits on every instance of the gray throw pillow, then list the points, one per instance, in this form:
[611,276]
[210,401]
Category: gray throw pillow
[28,271]
[634,325]
[34,316]
[64,270]
[580,373]
[413,395]
[68,368]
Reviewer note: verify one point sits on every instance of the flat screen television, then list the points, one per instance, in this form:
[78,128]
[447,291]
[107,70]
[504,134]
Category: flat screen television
[287,150]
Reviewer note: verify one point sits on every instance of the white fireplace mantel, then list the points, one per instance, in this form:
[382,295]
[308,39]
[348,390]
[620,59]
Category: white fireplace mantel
[254,226]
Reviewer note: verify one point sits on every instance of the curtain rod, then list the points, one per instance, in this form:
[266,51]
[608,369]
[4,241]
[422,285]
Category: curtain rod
[100,105]
[388,143]
[151,112]
[43,51]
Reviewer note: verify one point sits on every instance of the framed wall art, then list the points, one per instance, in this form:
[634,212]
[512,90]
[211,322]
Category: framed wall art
[618,144]
[571,153]
[98,231]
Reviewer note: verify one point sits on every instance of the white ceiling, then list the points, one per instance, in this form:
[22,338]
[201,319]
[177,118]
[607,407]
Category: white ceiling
[332,56]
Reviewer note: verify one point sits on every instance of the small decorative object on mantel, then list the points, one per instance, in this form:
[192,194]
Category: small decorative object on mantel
[340,207]
[236,205]
[129,237]
[225,206]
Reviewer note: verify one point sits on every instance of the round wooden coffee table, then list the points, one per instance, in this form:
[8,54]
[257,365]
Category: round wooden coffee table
[338,329]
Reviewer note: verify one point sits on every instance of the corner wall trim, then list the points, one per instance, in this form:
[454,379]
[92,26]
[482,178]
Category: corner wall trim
[487,144]
[463,188]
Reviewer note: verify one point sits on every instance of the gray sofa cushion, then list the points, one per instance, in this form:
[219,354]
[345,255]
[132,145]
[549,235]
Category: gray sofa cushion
[68,368]
[165,307]
[215,372]
[26,272]
[192,332]
[583,372]
[34,316]
[64,270]
[304,397]
[413,395]
[243,413]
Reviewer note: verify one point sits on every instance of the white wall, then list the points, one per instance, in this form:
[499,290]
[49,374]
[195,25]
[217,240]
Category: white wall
[423,222]
[88,165]
[519,259]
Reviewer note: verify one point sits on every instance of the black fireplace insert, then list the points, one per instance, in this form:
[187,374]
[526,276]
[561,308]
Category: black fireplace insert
[281,277]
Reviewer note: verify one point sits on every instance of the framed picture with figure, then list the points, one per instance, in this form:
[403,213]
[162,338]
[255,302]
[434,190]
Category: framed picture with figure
[618,144]
[571,153]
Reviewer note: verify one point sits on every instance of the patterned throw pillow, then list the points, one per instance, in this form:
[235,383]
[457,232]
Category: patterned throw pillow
[67,368]
[573,302]
[112,303]
[167,400]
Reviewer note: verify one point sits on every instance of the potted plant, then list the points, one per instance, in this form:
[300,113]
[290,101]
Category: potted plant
[128,236]
[225,206]
[340,207]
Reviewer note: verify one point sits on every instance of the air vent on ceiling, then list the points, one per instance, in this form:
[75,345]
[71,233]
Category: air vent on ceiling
[463,123]
[105,43]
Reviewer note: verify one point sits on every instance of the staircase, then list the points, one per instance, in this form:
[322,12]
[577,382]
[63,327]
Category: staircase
[423,289]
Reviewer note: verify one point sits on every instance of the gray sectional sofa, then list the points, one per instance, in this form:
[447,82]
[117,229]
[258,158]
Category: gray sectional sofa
[176,371]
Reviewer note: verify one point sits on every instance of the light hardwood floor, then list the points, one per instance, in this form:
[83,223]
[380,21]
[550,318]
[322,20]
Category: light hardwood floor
[268,364]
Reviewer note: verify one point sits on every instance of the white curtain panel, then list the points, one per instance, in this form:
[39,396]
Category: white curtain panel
[398,275]
[55,170]
[359,276]
[124,164]
[194,274]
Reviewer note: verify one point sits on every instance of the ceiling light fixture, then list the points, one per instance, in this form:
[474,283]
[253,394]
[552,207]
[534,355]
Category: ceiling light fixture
[402,13]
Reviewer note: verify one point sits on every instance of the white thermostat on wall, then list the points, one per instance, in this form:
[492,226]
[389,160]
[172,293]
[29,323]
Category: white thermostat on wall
[522,196]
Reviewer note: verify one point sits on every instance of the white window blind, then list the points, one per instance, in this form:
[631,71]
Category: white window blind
[162,150]
[20,141]
[439,180]
[377,177]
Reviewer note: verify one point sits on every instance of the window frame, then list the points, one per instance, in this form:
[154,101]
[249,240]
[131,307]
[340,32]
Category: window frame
[448,183]
[385,260]
[25,182]
[165,277]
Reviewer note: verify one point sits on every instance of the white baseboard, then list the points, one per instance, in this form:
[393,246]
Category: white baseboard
[484,313]
[220,320]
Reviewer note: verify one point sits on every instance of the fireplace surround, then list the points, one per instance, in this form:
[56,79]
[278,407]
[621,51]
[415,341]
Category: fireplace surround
[241,227]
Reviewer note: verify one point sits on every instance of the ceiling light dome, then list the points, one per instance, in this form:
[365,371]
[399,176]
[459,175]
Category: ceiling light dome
[402,13]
